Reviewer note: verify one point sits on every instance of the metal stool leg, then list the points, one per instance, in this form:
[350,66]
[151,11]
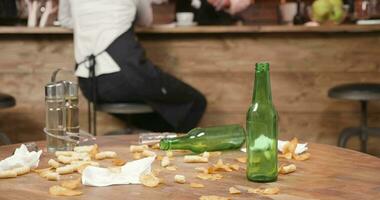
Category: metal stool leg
[347,134]
[4,139]
[364,127]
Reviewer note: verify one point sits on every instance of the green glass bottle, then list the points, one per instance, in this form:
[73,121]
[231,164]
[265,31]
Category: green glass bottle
[262,130]
[199,140]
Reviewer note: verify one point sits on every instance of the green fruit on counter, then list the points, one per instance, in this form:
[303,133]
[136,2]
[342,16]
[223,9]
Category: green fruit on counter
[337,14]
[321,10]
[336,3]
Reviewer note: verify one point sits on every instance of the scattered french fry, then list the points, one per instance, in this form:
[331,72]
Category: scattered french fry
[64,153]
[202,169]
[286,169]
[8,174]
[137,148]
[149,180]
[52,176]
[196,185]
[220,166]
[61,191]
[165,161]
[147,153]
[195,159]
[169,154]
[155,146]
[86,149]
[171,168]
[206,155]
[136,155]
[233,190]
[22,170]
[235,167]
[68,169]
[180,179]
[66,159]
[53,163]
[105,155]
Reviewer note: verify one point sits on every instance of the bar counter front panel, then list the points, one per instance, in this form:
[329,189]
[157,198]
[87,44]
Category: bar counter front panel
[219,61]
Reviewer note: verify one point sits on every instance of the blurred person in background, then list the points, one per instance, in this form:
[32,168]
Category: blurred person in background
[213,12]
[106,48]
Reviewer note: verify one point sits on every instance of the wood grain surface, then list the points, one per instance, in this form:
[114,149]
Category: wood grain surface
[331,173]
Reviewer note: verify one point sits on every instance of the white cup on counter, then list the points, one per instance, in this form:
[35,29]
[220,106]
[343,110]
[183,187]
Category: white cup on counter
[185,18]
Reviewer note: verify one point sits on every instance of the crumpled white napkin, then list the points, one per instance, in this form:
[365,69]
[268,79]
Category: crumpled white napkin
[21,158]
[281,144]
[130,173]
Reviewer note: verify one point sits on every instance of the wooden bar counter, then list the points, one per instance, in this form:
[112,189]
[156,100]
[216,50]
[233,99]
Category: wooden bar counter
[331,173]
[305,63]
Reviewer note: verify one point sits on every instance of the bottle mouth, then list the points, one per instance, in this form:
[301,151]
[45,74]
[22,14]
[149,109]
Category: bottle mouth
[262,66]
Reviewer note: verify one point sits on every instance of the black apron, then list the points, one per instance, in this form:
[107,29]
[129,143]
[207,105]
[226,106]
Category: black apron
[139,80]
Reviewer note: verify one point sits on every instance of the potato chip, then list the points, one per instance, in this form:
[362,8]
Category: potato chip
[118,162]
[48,174]
[8,174]
[195,159]
[138,148]
[288,155]
[235,167]
[212,177]
[242,159]
[220,166]
[61,191]
[233,190]
[213,197]
[149,180]
[94,151]
[180,179]
[165,161]
[264,191]
[171,168]
[292,146]
[302,157]
[72,184]
[196,185]
[286,169]
[159,157]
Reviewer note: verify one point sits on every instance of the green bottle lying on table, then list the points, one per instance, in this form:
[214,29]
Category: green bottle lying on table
[262,130]
[199,140]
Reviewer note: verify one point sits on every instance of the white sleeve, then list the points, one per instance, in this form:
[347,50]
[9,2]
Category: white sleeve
[144,15]
[64,14]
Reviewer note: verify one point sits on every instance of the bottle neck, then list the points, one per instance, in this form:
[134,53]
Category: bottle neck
[174,143]
[262,89]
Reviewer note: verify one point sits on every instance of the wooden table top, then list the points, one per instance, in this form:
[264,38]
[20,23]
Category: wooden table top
[331,173]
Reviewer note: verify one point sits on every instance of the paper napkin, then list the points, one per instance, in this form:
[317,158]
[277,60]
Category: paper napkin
[281,144]
[21,158]
[129,173]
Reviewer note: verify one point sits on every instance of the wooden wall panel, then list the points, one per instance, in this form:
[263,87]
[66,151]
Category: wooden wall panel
[304,67]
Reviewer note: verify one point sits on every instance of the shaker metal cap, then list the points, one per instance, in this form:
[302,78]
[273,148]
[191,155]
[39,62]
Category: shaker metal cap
[55,90]
[71,88]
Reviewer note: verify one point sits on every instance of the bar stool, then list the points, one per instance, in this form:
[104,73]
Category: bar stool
[362,92]
[6,101]
[115,108]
